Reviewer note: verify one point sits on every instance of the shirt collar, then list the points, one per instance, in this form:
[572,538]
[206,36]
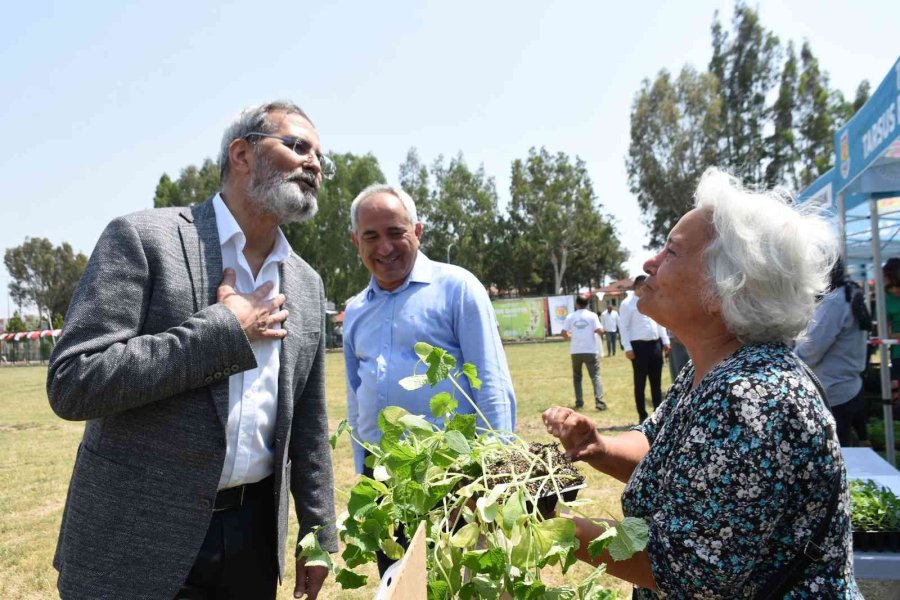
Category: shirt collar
[229,228]
[422,272]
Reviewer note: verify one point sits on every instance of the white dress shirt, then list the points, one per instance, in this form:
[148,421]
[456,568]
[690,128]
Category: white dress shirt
[253,394]
[609,320]
[636,326]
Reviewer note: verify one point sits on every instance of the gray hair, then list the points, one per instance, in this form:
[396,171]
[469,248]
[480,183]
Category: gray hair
[381,188]
[767,260]
[251,119]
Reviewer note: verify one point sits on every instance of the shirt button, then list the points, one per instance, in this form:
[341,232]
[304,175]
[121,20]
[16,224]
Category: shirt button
[204,503]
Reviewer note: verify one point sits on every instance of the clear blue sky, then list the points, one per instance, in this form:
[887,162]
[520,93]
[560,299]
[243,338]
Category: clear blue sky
[101,98]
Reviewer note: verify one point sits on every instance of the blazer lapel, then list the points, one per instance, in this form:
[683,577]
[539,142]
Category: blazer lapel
[203,255]
[290,347]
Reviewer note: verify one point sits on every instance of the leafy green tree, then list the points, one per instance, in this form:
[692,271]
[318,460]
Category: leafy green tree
[43,275]
[463,214]
[553,205]
[600,256]
[745,64]
[415,182]
[816,119]
[675,132]
[862,95]
[192,186]
[15,324]
[782,150]
[324,242]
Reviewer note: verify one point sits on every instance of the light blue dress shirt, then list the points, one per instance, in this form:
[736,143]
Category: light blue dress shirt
[443,305]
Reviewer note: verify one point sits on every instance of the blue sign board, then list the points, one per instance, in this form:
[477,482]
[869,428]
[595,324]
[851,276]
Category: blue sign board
[863,140]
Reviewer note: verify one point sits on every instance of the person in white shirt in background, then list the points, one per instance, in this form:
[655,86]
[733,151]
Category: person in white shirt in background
[609,321]
[580,328]
[646,345]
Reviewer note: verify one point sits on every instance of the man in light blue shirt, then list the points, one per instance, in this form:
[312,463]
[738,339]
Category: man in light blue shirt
[413,299]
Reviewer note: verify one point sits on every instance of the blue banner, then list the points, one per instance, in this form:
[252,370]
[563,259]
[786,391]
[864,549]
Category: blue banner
[864,139]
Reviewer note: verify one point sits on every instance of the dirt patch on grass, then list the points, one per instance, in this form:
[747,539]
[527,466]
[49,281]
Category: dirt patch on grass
[28,426]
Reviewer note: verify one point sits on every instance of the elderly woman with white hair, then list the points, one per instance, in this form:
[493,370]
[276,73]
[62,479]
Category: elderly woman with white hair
[738,473]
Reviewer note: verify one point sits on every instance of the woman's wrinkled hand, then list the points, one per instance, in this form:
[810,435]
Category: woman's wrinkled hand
[577,433]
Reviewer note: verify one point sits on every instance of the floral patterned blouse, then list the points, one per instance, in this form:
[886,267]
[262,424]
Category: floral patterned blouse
[739,472]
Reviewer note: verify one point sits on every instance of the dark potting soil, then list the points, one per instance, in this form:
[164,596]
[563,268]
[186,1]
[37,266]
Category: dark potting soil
[509,464]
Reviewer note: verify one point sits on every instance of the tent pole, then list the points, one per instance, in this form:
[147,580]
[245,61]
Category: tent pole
[883,333]
[842,226]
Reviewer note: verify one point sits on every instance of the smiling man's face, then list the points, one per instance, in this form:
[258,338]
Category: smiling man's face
[386,239]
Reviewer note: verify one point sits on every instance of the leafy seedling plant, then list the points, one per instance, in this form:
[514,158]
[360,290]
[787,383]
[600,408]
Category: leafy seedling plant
[485,533]
[873,507]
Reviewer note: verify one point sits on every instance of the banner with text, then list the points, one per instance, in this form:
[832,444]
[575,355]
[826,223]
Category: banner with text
[521,319]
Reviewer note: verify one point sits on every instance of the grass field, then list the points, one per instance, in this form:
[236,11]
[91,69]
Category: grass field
[37,450]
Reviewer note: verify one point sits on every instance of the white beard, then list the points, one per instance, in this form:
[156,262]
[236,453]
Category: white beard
[275,193]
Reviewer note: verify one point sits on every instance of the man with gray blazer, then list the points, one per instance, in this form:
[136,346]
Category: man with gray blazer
[194,351]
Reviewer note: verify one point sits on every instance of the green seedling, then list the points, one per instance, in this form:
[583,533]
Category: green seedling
[477,490]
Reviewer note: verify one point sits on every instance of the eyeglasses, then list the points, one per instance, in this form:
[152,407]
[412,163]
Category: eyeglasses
[302,147]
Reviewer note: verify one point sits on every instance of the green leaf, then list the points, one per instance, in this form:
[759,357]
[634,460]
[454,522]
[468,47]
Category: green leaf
[535,590]
[465,424]
[457,442]
[439,362]
[313,553]
[438,590]
[355,535]
[632,535]
[413,382]
[601,542]
[341,428]
[554,536]
[410,495]
[389,418]
[442,403]
[469,370]
[392,549]
[481,588]
[416,423]
[350,580]
[466,536]
[364,493]
[489,562]
[422,350]
[487,508]
[354,556]
[513,510]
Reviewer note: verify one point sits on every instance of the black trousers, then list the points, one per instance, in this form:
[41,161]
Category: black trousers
[647,364]
[238,558]
[851,416]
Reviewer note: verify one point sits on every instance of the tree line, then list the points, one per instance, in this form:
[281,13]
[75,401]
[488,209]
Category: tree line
[760,110]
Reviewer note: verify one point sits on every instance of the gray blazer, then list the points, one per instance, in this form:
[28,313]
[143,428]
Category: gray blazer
[144,358]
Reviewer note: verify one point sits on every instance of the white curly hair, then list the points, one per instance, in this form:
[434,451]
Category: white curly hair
[768,259]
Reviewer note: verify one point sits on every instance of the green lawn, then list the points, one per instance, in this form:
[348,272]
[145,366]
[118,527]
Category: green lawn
[37,450]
